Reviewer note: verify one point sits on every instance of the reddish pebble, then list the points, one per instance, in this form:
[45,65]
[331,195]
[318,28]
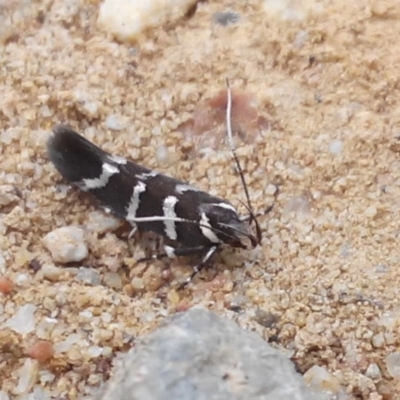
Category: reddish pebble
[208,127]
[6,285]
[182,306]
[41,351]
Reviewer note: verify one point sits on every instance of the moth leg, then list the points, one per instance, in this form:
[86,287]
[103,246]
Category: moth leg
[199,267]
[172,252]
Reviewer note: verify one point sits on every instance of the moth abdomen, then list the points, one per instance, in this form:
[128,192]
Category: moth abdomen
[74,156]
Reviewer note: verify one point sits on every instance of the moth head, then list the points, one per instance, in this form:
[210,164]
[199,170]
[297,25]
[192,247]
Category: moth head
[221,223]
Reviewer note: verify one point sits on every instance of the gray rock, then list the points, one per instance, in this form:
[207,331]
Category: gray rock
[198,355]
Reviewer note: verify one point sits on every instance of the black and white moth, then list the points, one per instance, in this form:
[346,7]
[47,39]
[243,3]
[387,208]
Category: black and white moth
[192,221]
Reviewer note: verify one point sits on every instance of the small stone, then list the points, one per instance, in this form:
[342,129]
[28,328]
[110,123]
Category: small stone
[66,244]
[113,280]
[271,190]
[373,372]
[393,364]
[41,351]
[162,155]
[6,285]
[225,18]
[318,378]
[336,147]
[2,264]
[265,318]
[89,275]
[94,351]
[126,19]
[10,134]
[378,340]
[23,321]
[115,122]
[4,395]
[99,222]
[91,108]
[137,283]
[371,212]
[27,376]
[8,196]
[51,272]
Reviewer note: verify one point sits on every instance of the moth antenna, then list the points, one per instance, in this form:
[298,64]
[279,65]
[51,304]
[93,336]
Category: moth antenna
[233,149]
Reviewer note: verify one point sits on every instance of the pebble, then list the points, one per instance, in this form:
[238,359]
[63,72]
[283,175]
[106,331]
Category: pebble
[318,378]
[99,222]
[378,340]
[23,321]
[89,275]
[127,19]
[2,264]
[225,18]
[336,147]
[4,395]
[51,272]
[115,122]
[113,280]
[191,352]
[6,285]
[27,376]
[41,351]
[393,364]
[373,372]
[66,244]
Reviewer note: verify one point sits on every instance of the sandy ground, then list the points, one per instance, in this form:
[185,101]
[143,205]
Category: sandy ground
[327,277]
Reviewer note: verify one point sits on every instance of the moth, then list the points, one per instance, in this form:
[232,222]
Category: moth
[191,221]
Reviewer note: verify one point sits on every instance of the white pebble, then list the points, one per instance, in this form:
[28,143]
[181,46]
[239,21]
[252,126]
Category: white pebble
[51,272]
[270,190]
[94,351]
[89,275]
[91,108]
[373,372]
[336,147]
[126,19]
[113,280]
[4,395]
[371,212]
[378,340]
[2,264]
[23,321]
[10,134]
[99,222]
[393,364]
[115,122]
[27,376]
[162,155]
[66,244]
[320,379]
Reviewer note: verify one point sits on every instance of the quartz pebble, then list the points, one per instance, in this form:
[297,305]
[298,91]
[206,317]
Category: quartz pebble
[66,244]
[373,371]
[89,275]
[393,364]
[23,321]
[318,378]
[27,376]
[127,19]
[113,280]
[99,222]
